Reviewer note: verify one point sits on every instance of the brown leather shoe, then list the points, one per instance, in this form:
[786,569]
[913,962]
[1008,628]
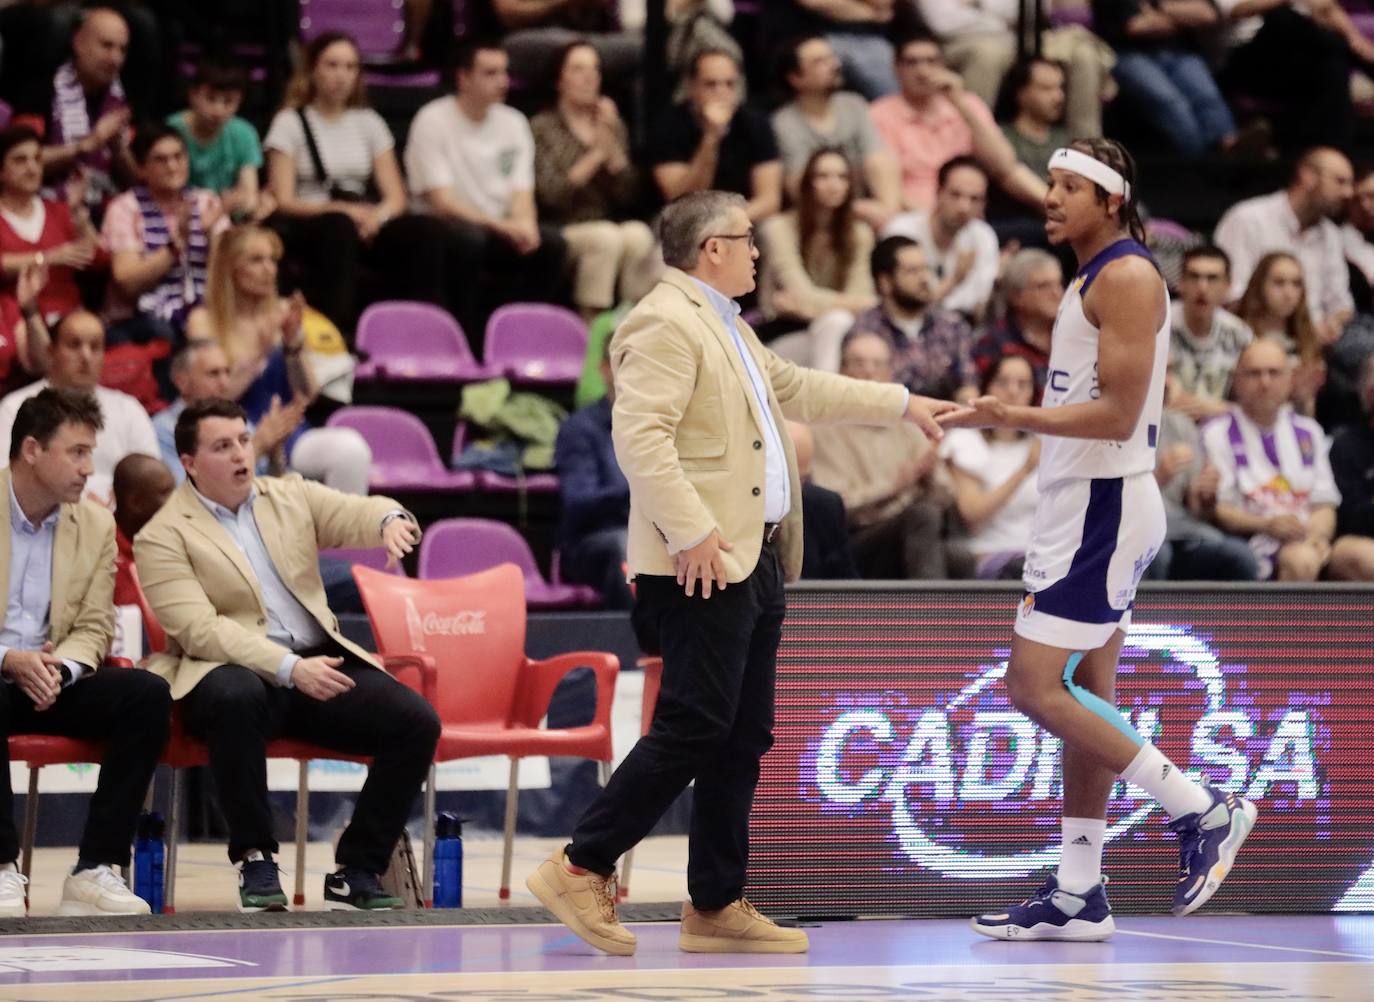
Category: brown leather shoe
[737,928]
[585,904]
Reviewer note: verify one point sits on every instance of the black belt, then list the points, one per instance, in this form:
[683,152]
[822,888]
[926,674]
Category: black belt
[770,532]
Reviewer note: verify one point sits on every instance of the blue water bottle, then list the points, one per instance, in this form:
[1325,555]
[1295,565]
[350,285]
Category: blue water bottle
[149,854]
[448,861]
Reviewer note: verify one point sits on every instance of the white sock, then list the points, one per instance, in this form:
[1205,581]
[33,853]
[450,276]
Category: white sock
[1166,782]
[1080,857]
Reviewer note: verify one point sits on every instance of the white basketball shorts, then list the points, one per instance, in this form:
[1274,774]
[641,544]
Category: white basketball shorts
[1092,541]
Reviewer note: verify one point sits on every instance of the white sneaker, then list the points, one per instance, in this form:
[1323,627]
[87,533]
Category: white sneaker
[12,903]
[99,891]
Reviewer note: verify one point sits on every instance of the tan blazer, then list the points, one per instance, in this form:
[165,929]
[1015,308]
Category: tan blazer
[688,430]
[81,613]
[203,589]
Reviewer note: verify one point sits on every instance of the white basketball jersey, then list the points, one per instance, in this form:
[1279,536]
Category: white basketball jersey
[1073,380]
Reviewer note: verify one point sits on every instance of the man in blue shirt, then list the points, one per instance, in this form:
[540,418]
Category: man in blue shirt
[57,577]
[596,499]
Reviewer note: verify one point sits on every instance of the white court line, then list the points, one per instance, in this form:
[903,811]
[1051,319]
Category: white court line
[1251,946]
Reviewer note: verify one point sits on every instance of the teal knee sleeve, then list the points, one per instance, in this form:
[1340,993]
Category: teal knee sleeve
[1096,704]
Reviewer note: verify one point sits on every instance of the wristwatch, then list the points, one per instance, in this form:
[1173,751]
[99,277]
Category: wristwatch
[391,516]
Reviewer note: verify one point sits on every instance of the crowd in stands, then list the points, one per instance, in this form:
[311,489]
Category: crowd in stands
[893,157]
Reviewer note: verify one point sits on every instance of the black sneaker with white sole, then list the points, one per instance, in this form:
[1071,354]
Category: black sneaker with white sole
[352,889]
[260,885]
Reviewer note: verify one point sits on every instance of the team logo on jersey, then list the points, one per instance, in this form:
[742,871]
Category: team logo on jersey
[1027,605]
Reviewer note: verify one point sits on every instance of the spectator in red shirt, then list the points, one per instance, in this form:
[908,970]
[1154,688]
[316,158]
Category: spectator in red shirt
[38,232]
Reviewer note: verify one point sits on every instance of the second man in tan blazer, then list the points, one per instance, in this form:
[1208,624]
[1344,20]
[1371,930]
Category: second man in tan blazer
[231,567]
[715,530]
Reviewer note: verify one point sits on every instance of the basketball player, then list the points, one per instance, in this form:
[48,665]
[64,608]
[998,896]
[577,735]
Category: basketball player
[1099,522]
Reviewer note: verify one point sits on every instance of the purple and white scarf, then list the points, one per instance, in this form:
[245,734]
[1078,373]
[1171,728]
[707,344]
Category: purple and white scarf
[184,285]
[71,119]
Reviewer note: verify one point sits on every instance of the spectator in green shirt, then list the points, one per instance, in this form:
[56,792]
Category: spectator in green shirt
[224,149]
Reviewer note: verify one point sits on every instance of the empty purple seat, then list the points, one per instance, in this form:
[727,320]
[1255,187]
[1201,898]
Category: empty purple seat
[414,341]
[499,483]
[378,26]
[403,454]
[536,344]
[454,547]
[374,557]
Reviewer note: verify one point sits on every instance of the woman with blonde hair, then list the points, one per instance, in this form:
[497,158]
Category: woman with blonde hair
[815,270]
[1274,305]
[332,168]
[263,338]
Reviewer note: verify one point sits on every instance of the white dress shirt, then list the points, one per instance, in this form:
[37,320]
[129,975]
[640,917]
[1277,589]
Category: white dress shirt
[777,486]
[1256,226]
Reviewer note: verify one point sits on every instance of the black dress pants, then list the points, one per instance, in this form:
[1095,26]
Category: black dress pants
[713,723]
[237,712]
[128,709]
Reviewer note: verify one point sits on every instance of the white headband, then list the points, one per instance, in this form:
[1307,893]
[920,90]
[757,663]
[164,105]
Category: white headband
[1094,170]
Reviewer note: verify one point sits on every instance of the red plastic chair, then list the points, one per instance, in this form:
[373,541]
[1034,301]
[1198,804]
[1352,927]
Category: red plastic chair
[39,750]
[489,696]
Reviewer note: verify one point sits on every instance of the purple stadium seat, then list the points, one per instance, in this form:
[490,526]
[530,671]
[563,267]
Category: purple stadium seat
[378,26]
[535,343]
[374,557]
[1168,229]
[499,483]
[1064,15]
[403,454]
[454,547]
[414,341]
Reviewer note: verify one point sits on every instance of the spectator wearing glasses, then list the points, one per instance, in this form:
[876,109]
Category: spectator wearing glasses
[934,119]
[159,236]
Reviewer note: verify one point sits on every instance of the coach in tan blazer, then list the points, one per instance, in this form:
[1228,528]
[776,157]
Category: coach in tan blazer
[231,568]
[57,554]
[715,502]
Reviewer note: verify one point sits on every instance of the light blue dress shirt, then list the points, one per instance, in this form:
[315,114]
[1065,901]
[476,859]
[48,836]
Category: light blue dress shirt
[777,485]
[29,602]
[288,622]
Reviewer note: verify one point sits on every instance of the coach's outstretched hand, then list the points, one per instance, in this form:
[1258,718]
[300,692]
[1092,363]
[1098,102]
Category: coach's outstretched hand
[981,412]
[924,412]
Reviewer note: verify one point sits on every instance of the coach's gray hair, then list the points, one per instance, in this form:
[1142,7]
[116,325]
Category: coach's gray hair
[1022,265]
[686,222]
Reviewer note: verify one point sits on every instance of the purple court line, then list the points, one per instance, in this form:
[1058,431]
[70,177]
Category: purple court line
[518,949]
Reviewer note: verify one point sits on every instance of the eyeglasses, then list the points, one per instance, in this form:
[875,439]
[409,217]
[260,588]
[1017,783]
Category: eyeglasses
[731,236]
